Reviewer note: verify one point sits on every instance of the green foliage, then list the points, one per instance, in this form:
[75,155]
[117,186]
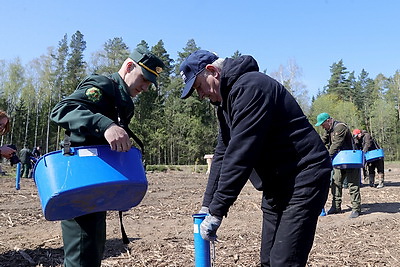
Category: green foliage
[339,109]
[180,132]
[156,168]
[363,103]
[76,66]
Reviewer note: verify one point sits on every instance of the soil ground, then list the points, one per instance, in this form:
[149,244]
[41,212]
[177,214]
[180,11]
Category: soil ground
[161,227]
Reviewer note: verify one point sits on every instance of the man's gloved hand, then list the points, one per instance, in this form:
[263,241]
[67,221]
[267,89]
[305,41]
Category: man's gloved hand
[204,210]
[209,227]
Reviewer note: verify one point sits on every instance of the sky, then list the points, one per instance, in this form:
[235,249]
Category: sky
[314,34]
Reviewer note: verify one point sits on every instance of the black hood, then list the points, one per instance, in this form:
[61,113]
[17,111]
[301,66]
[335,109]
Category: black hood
[233,69]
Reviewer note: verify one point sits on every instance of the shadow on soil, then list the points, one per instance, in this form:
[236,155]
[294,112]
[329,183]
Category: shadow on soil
[49,257]
[391,207]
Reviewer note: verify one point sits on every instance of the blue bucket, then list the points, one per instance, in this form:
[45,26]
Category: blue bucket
[349,159]
[92,179]
[375,154]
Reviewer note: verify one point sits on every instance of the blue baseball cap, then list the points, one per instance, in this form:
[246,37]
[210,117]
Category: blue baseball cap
[192,66]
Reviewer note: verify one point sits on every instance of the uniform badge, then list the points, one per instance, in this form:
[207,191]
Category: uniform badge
[93,94]
[159,70]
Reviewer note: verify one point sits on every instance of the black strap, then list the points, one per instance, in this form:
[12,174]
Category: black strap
[67,145]
[122,122]
[125,239]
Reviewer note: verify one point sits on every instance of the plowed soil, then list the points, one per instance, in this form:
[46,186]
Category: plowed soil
[160,229]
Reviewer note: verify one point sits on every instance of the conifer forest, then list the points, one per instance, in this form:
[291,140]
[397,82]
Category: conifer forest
[176,131]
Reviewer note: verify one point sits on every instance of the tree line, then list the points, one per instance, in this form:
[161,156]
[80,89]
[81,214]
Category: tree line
[176,131]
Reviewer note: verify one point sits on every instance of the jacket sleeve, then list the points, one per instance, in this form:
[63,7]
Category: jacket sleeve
[338,139]
[215,171]
[82,114]
[325,139]
[367,142]
[250,115]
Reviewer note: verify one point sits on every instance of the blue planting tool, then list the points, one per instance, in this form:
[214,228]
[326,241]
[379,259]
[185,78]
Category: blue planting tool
[201,246]
[18,176]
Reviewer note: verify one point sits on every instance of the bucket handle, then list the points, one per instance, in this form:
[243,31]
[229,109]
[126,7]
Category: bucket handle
[67,146]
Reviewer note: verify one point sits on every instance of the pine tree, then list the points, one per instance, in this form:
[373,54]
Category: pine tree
[76,66]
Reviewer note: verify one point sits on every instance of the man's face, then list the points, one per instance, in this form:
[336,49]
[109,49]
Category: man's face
[135,80]
[207,86]
[326,125]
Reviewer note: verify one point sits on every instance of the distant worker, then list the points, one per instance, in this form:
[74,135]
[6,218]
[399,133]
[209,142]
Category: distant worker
[338,137]
[369,143]
[25,156]
[37,152]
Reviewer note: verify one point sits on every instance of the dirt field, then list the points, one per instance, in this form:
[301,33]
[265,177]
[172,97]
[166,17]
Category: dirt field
[161,227]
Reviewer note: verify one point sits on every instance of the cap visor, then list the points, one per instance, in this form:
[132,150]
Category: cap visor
[188,89]
[149,76]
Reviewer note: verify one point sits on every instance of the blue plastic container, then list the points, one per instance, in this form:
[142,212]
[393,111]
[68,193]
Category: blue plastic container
[202,257]
[375,154]
[92,179]
[349,159]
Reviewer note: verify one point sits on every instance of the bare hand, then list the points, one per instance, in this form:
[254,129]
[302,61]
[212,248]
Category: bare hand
[118,138]
[7,151]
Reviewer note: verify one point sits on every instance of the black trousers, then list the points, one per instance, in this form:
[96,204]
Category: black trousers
[289,224]
[84,238]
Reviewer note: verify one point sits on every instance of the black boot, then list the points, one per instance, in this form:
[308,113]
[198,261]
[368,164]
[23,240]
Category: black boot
[334,210]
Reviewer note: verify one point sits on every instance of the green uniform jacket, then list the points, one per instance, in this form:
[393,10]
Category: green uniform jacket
[368,143]
[97,102]
[338,138]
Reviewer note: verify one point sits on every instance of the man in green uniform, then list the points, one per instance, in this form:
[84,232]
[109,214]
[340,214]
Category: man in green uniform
[97,113]
[338,137]
[25,157]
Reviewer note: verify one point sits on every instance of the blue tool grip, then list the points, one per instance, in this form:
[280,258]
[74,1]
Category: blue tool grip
[18,176]
[201,246]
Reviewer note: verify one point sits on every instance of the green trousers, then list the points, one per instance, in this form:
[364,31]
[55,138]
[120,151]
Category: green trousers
[84,238]
[25,170]
[353,179]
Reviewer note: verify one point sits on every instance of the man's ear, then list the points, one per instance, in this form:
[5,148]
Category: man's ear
[214,71]
[130,66]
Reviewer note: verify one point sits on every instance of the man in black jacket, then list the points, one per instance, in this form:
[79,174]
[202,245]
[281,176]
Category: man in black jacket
[264,136]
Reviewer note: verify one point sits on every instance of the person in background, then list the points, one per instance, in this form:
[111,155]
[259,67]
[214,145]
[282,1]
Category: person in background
[369,143]
[97,113]
[358,144]
[37,152]
[338,137]
[25,156]
[5,151]
[264,136]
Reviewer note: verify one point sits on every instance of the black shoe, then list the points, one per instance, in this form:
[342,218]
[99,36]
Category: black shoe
[354,214]
[334,210]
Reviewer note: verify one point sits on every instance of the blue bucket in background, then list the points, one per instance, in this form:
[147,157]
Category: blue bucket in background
[349,159]
[92,179]
[375,154]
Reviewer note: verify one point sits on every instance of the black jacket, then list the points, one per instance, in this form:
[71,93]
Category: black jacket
[262,128]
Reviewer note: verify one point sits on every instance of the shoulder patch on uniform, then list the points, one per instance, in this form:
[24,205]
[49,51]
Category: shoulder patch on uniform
[93,94]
